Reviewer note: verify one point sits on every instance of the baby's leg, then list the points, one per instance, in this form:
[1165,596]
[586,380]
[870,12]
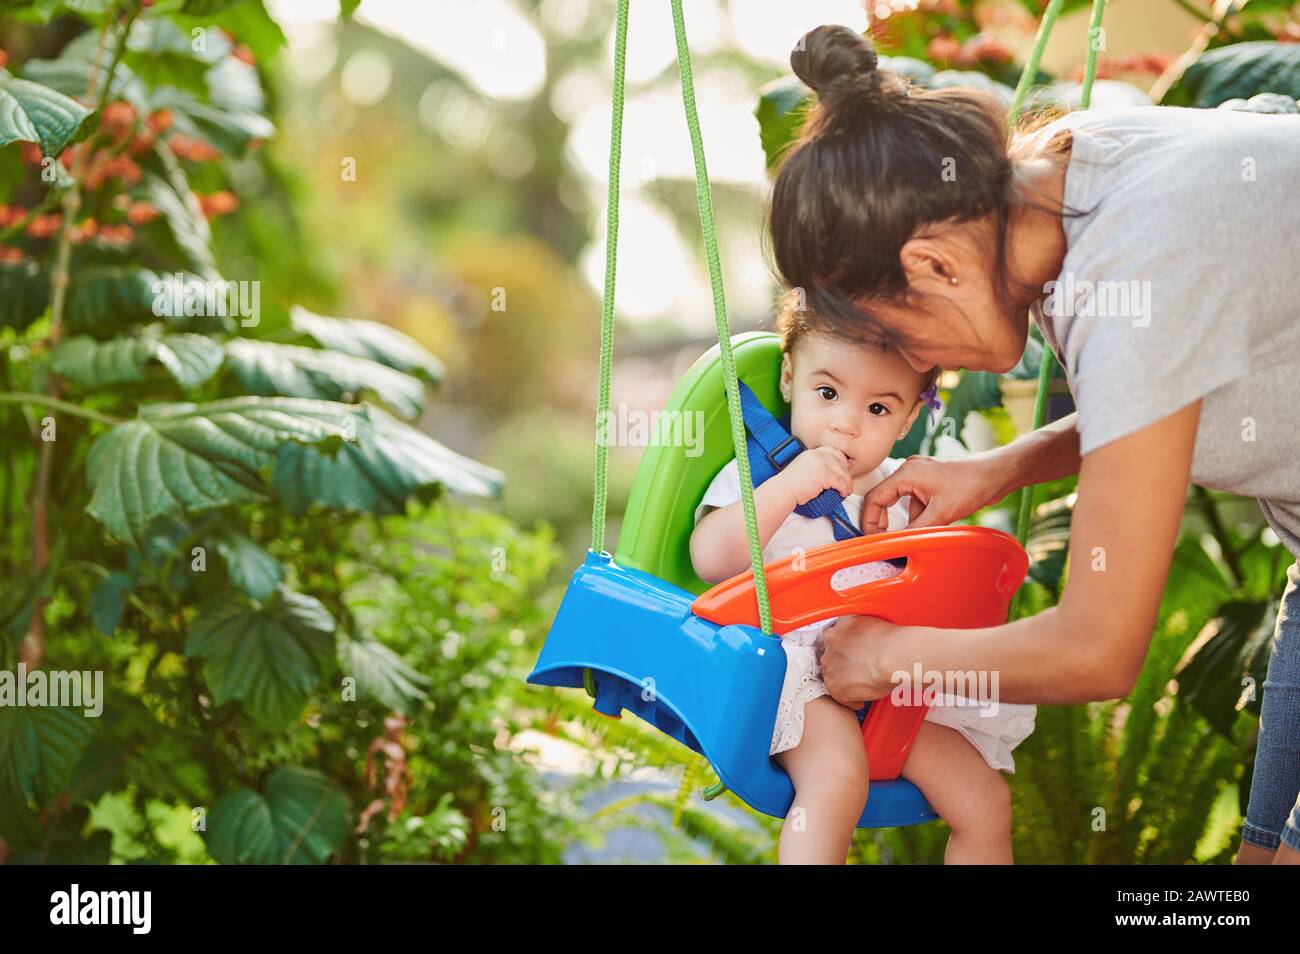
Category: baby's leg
[970,795]
[829,771]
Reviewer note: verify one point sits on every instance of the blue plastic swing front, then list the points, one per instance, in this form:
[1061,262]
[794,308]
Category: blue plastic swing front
[713,688]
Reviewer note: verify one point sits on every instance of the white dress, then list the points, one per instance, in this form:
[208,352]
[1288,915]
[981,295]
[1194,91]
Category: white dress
[994,729]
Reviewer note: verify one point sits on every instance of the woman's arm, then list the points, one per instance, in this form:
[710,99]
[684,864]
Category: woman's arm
[1049,453]
[1092,644]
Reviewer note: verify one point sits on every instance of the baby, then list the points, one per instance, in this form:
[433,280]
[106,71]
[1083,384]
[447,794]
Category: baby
[849,403]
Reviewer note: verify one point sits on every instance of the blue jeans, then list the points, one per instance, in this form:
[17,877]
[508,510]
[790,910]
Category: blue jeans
[1273,815]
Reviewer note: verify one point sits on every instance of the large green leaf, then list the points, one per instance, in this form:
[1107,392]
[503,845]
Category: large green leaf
[268,657]
[24,294]
[191,359]
[39,747]
[251,569]
[381,674]
[264,367]
[369,339]
[1238,71]
[105,298]
[188,457]
[31,112]
[302,819]
[386,463]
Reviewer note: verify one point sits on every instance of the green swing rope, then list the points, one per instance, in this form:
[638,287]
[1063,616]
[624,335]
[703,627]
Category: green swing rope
[719,304]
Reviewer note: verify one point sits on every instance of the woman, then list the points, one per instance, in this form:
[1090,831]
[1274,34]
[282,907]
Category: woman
[1154,247]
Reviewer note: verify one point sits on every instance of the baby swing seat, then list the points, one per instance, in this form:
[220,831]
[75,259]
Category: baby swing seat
[691,660]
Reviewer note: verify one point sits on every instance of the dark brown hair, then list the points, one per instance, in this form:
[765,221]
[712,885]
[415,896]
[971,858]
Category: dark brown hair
[863,177]
[794,323]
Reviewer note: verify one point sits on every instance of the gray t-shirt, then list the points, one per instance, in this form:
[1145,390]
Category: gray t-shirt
[1184,283]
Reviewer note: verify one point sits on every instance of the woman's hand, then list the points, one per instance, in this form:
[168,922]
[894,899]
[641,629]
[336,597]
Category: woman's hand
[853,659]
[941,490]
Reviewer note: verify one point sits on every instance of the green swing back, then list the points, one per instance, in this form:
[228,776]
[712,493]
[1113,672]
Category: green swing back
[656,532]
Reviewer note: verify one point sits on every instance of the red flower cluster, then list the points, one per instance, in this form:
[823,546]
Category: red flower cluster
[218,203]
[192,150]
[141,213]
[979,49]
[103,166]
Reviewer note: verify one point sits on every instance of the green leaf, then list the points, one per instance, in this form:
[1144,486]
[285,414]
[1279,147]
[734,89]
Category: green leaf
[348,7]
[302,819]
[386,463]
[782,106]
[30,112]
[381,674]
[1214,679]
[253,570]
[249,23]
[1238,71]
[39,747]
[189,457]
[191,359]
[160,53]
[976,391]
[264,367]
[179,209]
[107,601]
[369,339]
[269,658]
[24,294]
[105,298]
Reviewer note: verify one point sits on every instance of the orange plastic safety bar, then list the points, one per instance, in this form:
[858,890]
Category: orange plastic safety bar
[955,578]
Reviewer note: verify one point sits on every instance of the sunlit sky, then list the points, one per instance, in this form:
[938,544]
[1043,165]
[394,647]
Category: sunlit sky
[499,52]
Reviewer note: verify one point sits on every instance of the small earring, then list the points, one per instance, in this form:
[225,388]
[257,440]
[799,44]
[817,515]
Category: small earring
[952,280]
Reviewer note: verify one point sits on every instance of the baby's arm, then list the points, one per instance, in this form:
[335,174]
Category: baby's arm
[719,543]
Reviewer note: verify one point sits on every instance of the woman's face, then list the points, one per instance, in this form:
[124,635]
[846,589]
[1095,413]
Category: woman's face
[954,325]
[857,399]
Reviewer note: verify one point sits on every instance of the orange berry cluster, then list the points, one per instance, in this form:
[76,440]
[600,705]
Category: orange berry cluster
[981,48]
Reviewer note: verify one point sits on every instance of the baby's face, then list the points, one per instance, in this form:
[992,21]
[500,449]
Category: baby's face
[855,398]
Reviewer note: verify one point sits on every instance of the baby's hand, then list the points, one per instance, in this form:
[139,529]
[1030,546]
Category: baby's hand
[816,469]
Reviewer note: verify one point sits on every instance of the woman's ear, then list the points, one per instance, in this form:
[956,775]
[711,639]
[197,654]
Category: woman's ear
[924,261]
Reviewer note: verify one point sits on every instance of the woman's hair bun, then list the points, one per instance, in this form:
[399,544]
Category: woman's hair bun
[834,58]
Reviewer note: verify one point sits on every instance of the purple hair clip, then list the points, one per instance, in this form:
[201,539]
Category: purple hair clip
[931,397]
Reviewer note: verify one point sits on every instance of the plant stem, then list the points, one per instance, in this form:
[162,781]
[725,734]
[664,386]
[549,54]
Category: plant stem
[76,410]
[1031,65]
[33,646]
[119,48]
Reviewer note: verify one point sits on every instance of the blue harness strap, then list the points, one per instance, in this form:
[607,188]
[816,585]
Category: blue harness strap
[771,449]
